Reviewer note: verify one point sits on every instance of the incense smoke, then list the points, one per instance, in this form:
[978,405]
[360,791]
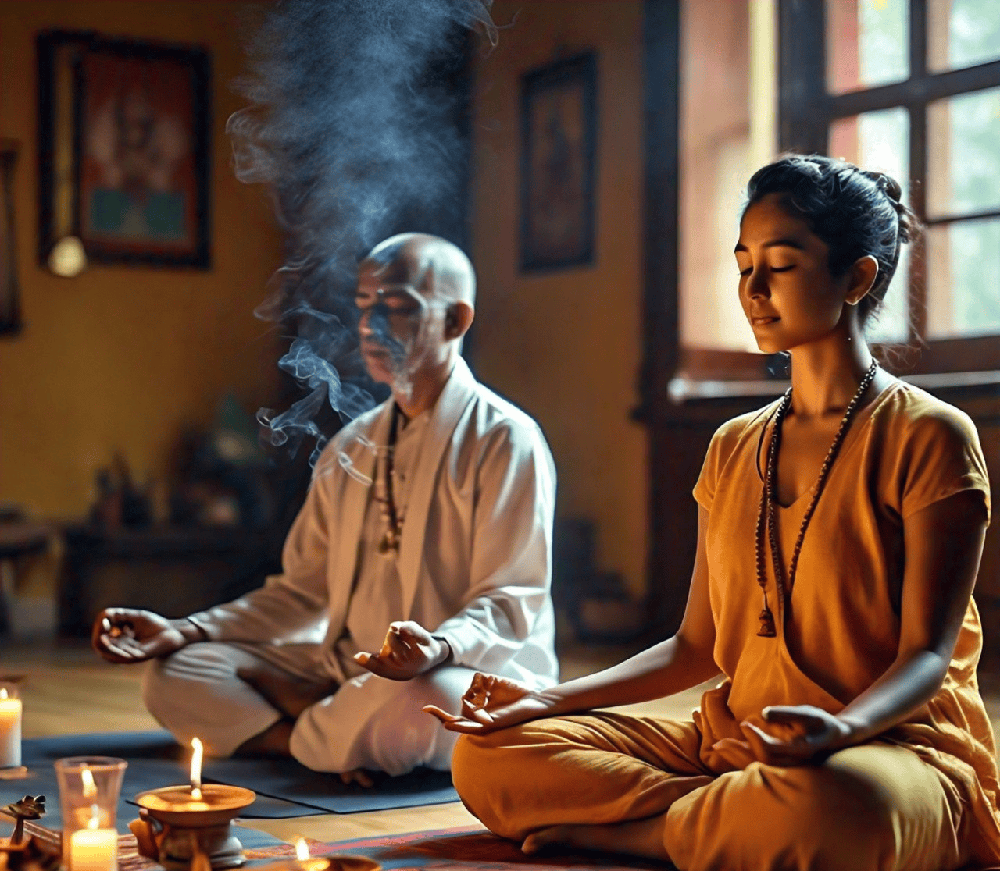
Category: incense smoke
[352,130]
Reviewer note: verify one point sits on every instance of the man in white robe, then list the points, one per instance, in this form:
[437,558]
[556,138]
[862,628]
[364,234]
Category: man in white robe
[408,569]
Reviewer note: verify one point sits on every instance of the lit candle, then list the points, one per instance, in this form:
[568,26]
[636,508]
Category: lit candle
[93,848]
[10,731]
[303,860]
[196,769]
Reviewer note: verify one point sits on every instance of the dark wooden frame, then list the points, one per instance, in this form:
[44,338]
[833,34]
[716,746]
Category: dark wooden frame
[10,286]
[571,79]
[62,62]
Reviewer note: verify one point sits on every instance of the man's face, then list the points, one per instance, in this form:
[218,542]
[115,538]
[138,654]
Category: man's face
[401,326]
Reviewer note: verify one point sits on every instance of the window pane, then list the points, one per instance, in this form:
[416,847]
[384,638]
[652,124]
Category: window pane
[963,279]
[867,43]
[963,159]
[962,33]
[878,140]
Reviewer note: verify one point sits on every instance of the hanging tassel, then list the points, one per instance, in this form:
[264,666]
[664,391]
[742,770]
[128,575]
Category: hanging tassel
[767,628]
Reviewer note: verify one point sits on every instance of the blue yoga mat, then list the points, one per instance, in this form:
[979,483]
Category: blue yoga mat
[284,787]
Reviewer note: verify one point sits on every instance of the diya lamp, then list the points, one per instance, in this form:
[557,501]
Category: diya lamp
[304,862]
[188,826]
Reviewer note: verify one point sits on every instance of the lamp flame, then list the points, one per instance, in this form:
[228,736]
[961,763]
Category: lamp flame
[196,769]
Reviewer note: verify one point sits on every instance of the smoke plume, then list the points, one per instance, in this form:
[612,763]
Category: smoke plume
[351,129]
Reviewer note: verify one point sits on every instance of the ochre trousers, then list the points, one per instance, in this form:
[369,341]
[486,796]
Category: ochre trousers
[874,807]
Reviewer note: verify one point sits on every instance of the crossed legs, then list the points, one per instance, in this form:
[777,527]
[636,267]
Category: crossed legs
[230,695]
[635,784]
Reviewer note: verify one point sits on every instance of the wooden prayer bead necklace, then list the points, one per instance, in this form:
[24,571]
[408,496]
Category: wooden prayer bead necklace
[390,514]
[767,512]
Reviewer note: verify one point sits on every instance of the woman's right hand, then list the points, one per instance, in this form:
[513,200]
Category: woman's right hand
[129,635]
[492,703]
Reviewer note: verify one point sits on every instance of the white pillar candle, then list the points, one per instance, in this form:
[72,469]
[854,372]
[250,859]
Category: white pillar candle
[93,850]
[10,731]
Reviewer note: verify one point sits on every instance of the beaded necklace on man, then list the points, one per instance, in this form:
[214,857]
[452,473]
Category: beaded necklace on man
[387,500]
[767,512]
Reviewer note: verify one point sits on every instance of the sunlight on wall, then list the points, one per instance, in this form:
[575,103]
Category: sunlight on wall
[720,149]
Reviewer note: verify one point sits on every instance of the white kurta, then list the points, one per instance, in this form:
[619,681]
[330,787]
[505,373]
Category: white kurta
[474,567]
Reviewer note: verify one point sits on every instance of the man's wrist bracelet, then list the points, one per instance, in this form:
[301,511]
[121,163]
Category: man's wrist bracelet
[202,634]
[450,655]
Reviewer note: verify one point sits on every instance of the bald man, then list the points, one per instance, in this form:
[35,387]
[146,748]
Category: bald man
[421,555]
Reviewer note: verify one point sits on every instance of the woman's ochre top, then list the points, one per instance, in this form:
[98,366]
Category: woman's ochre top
[839,628]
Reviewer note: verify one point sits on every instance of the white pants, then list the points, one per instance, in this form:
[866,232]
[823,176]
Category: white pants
[369,722]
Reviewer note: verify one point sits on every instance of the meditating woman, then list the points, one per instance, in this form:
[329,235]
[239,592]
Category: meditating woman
[839,537]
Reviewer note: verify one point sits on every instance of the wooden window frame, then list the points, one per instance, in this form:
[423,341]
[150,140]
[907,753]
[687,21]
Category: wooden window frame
[806,111]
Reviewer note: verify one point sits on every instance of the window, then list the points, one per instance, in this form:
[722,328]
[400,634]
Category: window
[912,87]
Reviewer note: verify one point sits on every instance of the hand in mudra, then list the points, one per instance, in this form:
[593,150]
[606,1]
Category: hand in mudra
[492,703]
[795,734]
[408,650]
[787,735]
[129,635]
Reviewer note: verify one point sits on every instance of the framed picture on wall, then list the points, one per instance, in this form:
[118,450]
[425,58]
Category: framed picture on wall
[124,149]
[558,138]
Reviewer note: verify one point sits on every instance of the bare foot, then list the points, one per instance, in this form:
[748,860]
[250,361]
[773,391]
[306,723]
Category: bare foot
[287,694]
[550,837]
[273,741]
[358,776]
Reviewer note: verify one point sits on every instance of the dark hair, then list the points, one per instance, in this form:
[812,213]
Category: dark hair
[855,213]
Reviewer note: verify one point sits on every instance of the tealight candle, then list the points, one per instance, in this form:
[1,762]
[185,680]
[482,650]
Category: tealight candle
[93,849]
[10,730]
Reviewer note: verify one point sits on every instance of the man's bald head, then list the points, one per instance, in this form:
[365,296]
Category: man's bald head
[437,267]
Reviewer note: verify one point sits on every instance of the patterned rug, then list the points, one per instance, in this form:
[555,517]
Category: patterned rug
[458,849]
[469,849]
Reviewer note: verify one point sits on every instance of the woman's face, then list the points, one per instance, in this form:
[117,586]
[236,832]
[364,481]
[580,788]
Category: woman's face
[786,289]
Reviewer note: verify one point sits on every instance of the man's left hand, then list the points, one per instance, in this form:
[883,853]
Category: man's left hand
[408,650]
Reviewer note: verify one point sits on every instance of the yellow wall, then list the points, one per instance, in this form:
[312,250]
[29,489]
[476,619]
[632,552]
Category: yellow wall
[565,345]
[122,357]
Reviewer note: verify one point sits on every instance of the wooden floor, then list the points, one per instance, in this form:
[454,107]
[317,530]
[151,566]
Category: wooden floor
[68,689]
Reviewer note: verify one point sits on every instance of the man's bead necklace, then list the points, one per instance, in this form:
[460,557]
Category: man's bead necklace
[767,512]
[387,500]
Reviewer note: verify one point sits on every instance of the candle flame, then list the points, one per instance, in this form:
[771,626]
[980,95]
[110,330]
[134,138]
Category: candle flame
[301,850]
[89,787]
[3,692]
[196,757]
[94,822]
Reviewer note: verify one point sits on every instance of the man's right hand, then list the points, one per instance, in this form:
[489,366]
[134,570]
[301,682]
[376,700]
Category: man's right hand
[129,635]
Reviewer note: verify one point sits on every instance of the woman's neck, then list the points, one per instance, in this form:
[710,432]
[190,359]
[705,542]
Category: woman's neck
[826,376]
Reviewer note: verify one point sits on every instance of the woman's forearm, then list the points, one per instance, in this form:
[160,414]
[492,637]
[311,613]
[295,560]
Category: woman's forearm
[910,682]
[666,668]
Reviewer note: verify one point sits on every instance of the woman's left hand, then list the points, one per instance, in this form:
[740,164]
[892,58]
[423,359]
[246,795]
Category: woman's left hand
[795,735]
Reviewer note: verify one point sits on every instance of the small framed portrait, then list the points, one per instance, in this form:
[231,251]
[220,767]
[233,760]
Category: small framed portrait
[124,149]
[558,140]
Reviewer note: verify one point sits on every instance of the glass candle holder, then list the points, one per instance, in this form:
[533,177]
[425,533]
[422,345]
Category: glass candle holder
[11,710]
[89,788]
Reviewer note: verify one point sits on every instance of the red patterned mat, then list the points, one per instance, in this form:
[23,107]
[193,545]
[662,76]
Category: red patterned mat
[457,849]
[469,849]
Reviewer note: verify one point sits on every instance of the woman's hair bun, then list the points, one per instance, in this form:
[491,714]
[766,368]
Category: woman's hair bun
[887,184]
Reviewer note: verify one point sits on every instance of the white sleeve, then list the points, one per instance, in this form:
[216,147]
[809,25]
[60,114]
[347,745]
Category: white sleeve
[510,567]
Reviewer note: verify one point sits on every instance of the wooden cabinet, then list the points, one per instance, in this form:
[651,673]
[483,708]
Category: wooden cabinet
[171,570]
